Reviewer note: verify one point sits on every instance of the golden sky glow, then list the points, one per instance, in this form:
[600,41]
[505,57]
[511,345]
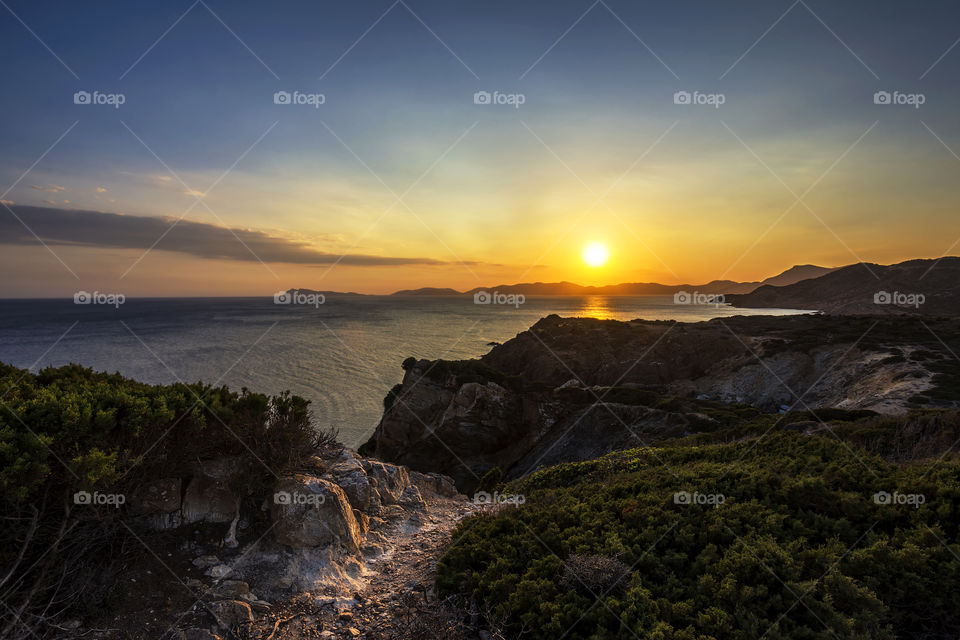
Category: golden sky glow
[417,185]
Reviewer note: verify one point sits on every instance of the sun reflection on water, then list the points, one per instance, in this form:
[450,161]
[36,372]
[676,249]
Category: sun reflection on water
[595,307]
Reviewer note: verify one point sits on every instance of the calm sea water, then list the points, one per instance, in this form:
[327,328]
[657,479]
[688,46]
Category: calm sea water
[343,355]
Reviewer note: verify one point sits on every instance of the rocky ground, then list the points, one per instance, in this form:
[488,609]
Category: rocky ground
[395,596]
[346,548]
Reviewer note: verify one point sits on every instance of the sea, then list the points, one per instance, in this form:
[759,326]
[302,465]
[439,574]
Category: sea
[342,353]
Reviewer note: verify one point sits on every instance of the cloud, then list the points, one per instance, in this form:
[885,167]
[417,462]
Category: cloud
[74,227]
[194,192]
[50,202]
[101,190]
[53,188]
[7,202]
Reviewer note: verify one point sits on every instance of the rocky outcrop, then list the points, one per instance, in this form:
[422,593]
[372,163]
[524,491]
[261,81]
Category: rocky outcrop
[465,430]
[579,388]
[389,480]
[350,475]
[308,511]
[160,502]
[434,483]
[209,496]
[315,537]
[334,502]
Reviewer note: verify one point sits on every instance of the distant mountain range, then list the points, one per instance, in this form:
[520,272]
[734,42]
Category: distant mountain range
[928,287]
[790,276]
[922,286]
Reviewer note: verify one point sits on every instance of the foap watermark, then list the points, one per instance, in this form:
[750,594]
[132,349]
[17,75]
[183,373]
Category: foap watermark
[298,97]
[98,499]
[484,497]
[698,98]
[295,497]
[112,299]
[896,498]
[294,296]
[695,297]
[485,297]
[914,100]
[899,299]
[96,97]
[510,99]
[704,499]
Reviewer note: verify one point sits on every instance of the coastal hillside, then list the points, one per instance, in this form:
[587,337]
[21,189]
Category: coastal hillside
[783,535]
[917,287]
[190,512]
[578,388]
[589,495]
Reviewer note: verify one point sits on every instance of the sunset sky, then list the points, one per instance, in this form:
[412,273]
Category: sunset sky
[399,179]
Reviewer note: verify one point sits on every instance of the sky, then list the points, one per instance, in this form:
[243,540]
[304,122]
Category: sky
[207,147]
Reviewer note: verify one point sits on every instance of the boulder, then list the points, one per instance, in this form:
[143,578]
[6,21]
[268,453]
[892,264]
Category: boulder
[219,571]
[349,474]
[159,496]
[209,497]
[434,484]
[204,562]
[230,614]
[159,501]
[391,479]
[312,512]
[229,589]
[411,499]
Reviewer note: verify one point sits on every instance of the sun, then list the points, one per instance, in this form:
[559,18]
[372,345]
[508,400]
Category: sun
[596,254]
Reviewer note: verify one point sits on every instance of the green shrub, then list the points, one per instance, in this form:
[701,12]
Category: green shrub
[491,480]
[799,548]
[70,429]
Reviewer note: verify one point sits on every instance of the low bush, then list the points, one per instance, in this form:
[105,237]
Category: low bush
[69,429]
[782,537]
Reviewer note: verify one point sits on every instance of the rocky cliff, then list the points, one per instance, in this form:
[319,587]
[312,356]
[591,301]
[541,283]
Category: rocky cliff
[578,388]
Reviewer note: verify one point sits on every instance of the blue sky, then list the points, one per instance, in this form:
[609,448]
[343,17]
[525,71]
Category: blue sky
[499,193]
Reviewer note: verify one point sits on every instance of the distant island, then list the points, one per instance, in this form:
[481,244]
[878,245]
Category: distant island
[792,275]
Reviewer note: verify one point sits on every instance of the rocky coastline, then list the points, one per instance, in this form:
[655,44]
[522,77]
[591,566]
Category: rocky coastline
[573,389]
[345,544]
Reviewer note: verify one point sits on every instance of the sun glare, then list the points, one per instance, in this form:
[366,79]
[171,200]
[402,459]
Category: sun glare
[596,254]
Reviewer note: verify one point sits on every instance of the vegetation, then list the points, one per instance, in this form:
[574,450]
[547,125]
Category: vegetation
[779,537]
[69,429]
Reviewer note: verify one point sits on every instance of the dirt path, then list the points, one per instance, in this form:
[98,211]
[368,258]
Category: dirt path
[396,599]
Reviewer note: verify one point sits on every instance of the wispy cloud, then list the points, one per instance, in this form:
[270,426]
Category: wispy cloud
[111,230]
